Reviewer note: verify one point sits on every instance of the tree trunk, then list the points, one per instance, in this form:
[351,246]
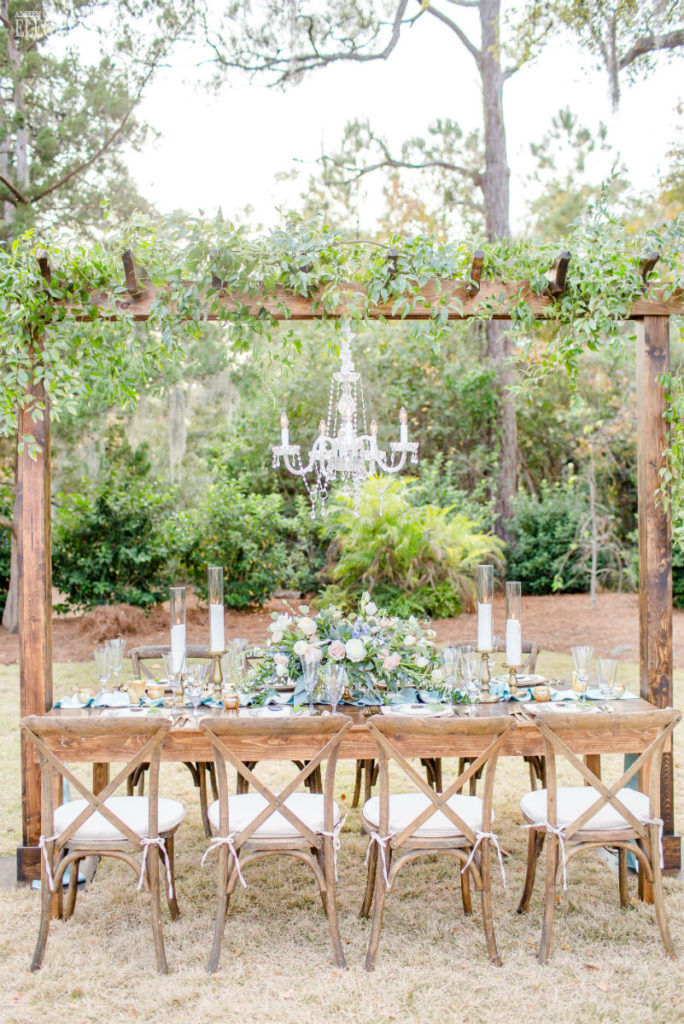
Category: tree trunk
[496,189]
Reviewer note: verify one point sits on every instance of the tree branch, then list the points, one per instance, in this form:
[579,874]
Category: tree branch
[391,161]
[7,524]
[651,43]
[299,64]
[85,164]
[470,47]
[19,197]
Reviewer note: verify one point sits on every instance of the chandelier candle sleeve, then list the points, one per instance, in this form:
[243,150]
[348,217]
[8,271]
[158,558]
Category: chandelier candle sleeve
[284,430]
[403,426]
[485,596]
[216,621]
[177,607]
[513,624]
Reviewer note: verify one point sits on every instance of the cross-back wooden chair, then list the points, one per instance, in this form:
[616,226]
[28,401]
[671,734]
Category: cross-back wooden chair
[573,819]
[202,771]
[139,830]
[404,826]
[248,826]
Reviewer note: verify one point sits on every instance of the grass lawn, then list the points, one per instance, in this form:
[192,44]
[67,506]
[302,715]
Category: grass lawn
[607,965]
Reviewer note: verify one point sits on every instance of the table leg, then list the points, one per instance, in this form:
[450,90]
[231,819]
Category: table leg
[593,763]
[100,776]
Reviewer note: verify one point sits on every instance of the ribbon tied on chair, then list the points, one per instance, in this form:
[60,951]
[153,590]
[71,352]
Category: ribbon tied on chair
[493,838]
[382,841]
[146,842]
[559,833]
[42,846]
[335,836]
[228,841]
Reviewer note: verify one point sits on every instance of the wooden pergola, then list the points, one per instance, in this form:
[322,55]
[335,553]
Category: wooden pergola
[465,300]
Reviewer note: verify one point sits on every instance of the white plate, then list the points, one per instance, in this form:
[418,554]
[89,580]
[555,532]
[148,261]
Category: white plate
[415,710]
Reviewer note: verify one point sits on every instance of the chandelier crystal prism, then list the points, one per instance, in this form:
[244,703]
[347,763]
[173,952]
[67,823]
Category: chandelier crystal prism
[345,449]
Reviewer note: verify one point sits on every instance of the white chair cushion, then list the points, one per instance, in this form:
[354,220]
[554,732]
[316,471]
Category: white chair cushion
[245,807]
[404,807]
[133,810]
[572,801]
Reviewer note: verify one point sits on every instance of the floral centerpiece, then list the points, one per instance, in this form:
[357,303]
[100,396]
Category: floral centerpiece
[382,654]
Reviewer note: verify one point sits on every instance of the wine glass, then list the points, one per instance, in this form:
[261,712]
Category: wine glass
[174,672]
[103,668]
[451,657]
[195,680]
[311,660]
[116,648]
[335,680]
[581,655]
[470,663]
[607,672]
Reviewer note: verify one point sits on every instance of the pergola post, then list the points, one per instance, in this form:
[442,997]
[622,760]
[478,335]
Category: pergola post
[655,548]
[35,611]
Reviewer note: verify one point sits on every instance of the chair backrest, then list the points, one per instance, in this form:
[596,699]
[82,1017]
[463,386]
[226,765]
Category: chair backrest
[651,727]
[395,737]
[154,652]
[55,737]
[237,740]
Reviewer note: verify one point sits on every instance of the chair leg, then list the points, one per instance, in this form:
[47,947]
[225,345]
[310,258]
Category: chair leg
[658,901]
[221,907]
[487,915]
[622,876]
[72,891]
[212,777]
[367,901]
[357,784]
[331,904]
[171,900]
[242,783]
[376,925]
[204,804]
[369,772]
[549,899]
[155,905]
[465,894]
[535,841]
[44,926]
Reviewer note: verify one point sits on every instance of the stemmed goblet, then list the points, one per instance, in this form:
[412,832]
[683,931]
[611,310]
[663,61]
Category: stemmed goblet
[311,660]
[335,681]
[116,648]
[451,658]
[174,671]
[581,655]
[195,682]
[103,667]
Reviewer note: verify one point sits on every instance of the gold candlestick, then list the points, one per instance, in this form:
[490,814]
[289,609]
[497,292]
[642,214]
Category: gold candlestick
[216,677]
[485,678]
[512,679]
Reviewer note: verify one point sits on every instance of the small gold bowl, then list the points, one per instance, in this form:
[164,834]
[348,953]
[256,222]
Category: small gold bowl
[155,691]
[541,693]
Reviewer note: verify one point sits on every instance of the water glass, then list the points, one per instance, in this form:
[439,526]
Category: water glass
[335,681]
[116,650]
[607,672]
[581,655]
[311,661]
[470,667]
[451,657]
[174,672]
[103,667]
[195,682]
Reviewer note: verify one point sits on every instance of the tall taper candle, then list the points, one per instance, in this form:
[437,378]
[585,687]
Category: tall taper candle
[485,597]
[216,623]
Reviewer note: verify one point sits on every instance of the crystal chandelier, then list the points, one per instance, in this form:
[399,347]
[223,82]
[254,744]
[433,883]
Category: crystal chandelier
[340,452]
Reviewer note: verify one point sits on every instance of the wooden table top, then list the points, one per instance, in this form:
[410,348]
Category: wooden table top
[185,742]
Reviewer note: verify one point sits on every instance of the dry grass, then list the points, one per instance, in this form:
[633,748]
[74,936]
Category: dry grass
[607,965]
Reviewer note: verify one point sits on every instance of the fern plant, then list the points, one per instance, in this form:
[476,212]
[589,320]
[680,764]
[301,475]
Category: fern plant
[414,559]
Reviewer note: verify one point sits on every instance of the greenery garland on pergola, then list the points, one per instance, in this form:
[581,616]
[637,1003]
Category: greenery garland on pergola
[66,315]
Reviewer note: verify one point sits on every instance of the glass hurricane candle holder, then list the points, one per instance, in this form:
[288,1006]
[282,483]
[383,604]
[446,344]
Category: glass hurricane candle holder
[485,601]
[177,605]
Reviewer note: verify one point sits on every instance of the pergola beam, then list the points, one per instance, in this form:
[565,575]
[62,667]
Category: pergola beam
[495,299]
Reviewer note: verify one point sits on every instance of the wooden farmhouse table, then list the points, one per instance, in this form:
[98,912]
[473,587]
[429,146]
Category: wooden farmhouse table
[186,742]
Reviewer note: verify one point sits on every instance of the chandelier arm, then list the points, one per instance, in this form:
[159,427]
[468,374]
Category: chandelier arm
[304,471]
[392,469]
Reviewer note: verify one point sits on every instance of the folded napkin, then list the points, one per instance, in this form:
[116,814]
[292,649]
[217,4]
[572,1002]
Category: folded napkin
[501,689]
[71,702]
[560,695]
[111,699]
[418,710]
[593,694]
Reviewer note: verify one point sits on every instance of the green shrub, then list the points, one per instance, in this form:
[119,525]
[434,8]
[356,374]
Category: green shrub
[243,533]
[6,507]
[413,559]
[677,575]
[109,546]
[306,549]
[551,542]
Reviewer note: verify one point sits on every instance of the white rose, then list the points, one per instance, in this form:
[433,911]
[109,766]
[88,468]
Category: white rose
[356,649]
[437,676]
[281,671]
[276,637]
[421,662]
[280,659]
[371,608]
[410,640]
[300,647]
[307,626]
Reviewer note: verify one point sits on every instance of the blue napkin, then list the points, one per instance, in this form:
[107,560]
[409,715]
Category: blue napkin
[113,699]
[71,702]
[503,691]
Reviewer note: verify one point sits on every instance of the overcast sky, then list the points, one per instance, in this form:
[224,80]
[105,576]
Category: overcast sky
[225,150]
